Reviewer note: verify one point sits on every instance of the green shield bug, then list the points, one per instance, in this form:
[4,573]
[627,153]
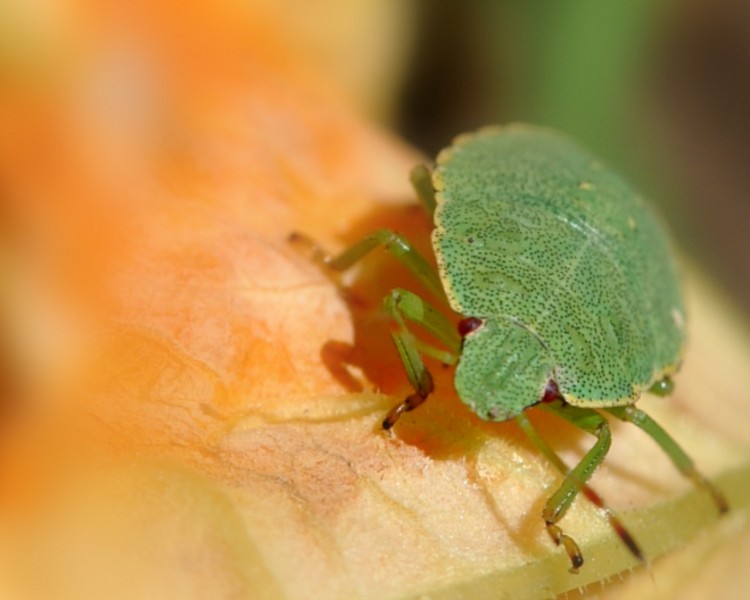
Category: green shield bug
[567,290]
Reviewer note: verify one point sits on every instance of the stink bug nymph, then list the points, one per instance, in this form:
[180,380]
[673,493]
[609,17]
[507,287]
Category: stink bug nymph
[567,289]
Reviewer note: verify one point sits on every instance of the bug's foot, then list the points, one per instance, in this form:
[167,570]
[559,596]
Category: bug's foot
[394,415]
[306,244]
[391,418]
[410,403]
[567,542]
[718,496]
[720,499]
[299,239]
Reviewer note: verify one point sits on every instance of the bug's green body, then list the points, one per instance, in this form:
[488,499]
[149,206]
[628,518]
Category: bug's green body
[571,268]
[569,293]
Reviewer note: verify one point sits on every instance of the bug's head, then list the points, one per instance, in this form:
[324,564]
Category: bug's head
[504,368]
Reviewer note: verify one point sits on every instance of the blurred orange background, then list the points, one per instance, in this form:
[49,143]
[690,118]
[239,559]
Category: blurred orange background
[154,158]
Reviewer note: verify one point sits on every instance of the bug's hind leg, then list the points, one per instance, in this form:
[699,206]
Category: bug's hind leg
[672,449]
[400,305]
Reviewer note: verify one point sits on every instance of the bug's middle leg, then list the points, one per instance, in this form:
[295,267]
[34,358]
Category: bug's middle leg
[590,494]
[400,305]
[559,503]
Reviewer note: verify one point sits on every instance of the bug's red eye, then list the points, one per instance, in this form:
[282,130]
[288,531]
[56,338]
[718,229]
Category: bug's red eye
[469,324]
[551,392]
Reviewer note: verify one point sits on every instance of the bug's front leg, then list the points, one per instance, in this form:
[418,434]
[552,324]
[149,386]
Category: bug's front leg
[396,244]
[402,304]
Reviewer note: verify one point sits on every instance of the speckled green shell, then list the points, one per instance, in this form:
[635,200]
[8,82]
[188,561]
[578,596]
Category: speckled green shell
[533,231]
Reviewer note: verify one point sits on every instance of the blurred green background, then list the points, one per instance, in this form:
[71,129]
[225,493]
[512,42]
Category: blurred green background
[659,88]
